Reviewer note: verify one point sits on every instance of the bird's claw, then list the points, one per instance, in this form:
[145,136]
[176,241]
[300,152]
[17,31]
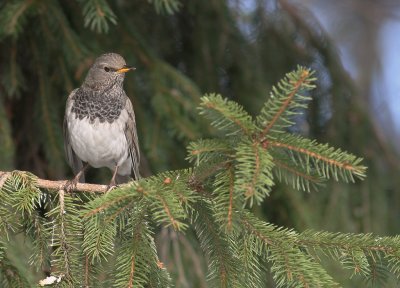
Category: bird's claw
[70,185]
[111,187]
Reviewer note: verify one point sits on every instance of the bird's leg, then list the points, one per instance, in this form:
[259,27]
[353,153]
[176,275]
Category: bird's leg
[112,184]
[71,184]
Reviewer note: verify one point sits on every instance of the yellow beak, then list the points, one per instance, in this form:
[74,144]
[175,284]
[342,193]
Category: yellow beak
[125,69]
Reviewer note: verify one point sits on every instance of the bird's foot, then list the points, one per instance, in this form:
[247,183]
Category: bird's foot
[111,186]
[70,185]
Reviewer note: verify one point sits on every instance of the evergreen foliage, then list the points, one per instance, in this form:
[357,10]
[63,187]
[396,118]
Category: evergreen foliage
[180,49]
[97,15]
[166,6]
[80,233]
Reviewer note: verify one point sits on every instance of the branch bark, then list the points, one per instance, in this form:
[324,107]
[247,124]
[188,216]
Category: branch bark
[59,184]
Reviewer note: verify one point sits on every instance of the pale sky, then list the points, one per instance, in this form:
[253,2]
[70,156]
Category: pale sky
[390,79]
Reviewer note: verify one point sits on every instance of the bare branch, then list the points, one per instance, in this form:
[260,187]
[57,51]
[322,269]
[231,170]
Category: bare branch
[57,185]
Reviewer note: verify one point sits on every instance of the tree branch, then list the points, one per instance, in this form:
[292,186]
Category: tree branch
[58,184]
[296,88]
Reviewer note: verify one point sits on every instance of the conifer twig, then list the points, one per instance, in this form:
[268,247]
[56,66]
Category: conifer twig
[331,161]
[231,191]
[296,87]
[296,172]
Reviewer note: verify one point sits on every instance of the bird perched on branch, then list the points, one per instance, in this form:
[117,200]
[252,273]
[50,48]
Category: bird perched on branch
[99,123]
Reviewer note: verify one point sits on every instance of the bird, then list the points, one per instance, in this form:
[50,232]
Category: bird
[99,124]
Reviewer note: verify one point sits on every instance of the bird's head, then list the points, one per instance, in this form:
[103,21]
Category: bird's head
[108,70]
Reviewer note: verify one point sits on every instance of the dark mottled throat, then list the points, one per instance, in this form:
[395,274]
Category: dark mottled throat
[103,105]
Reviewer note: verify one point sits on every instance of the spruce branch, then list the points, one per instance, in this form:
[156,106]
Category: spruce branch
[98,238]
[290,267]
[166,6]
[13,16]
[225,198]
[97,15]
[253,266]
[26,196]
[203,150]
[358,252]
[86,273]
[169,195]
[253,175]
[19,194]
[66,236]
[38,232]
[111,201]
[167,211]
[267,150]
[226,115]
[295,175]
[324,160]
[223,266]
[285,101]
[137,258]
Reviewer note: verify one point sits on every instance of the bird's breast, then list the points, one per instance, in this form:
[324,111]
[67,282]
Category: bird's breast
[101,144]
[104,106]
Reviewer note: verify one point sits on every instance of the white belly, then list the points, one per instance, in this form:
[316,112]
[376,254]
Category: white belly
[100,144]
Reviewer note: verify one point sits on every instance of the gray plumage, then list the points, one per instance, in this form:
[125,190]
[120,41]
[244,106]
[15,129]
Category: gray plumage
[99,122]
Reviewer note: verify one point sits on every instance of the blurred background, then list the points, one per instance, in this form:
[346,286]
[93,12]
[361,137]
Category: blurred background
[238,48]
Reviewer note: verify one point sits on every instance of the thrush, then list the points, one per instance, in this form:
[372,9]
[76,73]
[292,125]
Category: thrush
[99,123]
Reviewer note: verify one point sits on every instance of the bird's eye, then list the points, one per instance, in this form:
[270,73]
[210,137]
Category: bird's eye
[106,69]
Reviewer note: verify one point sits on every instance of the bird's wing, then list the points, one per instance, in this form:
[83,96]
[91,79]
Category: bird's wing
[132,139]
[73,159]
